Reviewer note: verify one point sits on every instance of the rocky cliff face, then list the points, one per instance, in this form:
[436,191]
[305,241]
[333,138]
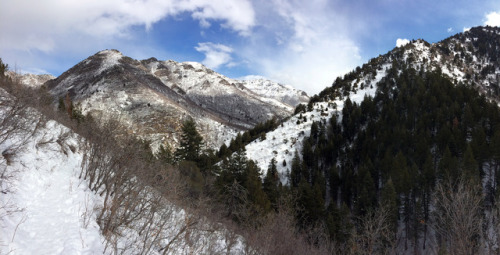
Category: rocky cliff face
[32,80]
[153,97]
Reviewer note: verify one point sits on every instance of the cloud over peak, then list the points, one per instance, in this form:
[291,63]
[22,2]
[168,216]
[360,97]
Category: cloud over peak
[492,19]
[402,42]
[216,55]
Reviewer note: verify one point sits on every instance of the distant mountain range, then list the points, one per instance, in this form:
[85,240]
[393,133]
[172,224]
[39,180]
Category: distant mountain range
[153,97]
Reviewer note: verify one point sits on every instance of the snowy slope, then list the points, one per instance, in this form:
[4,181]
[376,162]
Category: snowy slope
[32,80]
[154,97]
[459,57]
[47,209]
[280,92]
[282,142]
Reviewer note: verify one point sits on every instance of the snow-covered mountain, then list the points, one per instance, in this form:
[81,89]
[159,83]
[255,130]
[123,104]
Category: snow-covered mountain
[472,58]
[154,97]
[31,80]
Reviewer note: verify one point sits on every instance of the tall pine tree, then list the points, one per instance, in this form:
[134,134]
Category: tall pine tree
[191,142]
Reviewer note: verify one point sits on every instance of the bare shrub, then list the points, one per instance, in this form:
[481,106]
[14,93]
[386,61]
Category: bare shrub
[458,217]
[375,234]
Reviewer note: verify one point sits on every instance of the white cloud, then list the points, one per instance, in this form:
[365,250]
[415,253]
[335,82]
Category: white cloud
[492,19]
[306,44]
[252,77]
[466,29]
[449,30]
[216,55]
[238,15]
[46,25]
[402,42]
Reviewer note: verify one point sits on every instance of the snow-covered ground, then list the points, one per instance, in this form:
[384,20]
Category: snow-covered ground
[282,142]
[46,209]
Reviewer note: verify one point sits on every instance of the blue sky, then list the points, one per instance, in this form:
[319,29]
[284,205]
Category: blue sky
[306,44]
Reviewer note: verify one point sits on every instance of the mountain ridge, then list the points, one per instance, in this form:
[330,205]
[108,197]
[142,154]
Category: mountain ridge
[157,95]
[473,58]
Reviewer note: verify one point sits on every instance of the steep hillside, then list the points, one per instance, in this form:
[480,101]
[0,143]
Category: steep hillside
[153,97]
[54,202]
[471,58]
[404,135]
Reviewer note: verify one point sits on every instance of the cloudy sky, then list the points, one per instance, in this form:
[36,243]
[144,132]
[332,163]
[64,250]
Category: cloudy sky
[306,44]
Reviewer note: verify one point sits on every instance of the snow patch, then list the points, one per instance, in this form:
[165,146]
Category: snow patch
[111,58]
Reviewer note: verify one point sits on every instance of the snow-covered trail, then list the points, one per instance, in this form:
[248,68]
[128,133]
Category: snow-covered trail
[55,214]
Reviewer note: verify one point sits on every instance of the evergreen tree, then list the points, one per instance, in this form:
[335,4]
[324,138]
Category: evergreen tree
[469,166]
[256,195]
[271,183]
[400,174]
[223,151]
[61,106]
[191,142]
[295,174]
[366,192]
[448,166]
[388,199]
[165,155]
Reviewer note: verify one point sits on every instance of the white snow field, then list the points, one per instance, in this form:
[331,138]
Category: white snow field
[46,208]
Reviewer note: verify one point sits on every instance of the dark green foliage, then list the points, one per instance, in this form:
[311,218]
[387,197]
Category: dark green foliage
[61,106]
[242,139]
[76,113]
[3,68]
[300,108]
[165,155]
[191,143]
[237,173]
[388,199]
[391,149]
[253,183]
[271,183]
[470,168]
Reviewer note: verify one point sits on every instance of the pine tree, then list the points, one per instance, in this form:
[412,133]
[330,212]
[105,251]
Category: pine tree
[469,166]
[193,176]
[256,195]
[296,172]
[271,183]
[61,106]
[3,68]
[366,192]
[388,199]
[165,154]
[191,142]
[448,166]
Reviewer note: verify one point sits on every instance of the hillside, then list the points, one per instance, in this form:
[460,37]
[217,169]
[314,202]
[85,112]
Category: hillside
[153,97]
[406,123]
[53,201]
[471,58]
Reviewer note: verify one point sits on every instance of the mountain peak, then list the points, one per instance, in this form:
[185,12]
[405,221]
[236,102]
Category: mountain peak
[108,52]
[153,97]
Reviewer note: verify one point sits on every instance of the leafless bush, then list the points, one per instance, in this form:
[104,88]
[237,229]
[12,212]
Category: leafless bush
[375,235]
[458,217]
[14,121]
